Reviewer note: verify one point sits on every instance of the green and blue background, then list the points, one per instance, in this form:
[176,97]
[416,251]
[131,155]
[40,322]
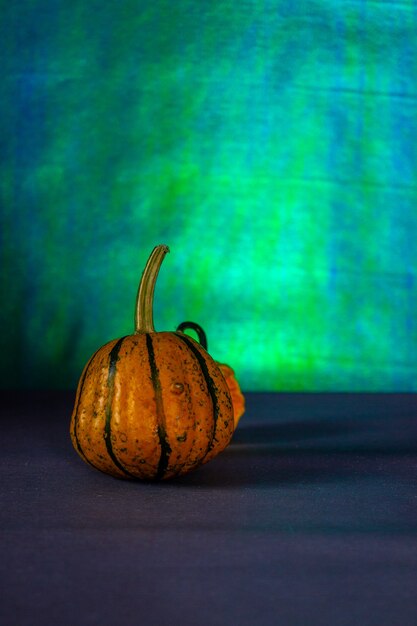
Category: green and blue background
[271,144]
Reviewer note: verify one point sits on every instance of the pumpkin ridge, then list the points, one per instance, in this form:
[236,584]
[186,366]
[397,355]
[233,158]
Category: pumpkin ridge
[160,413]
[77,406]
[107,428]
[210,386]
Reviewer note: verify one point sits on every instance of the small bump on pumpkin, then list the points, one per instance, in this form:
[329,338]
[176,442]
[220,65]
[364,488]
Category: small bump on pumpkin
[177,388]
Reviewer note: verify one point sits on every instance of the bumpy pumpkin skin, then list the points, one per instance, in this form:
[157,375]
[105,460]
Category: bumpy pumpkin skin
[238,399]
[151,406]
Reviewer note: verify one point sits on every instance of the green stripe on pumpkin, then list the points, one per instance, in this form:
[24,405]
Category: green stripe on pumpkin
[211,386]
[114,357]
[160,412]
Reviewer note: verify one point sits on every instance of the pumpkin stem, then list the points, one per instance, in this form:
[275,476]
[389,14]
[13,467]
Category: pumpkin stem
[202,337]
[144,299]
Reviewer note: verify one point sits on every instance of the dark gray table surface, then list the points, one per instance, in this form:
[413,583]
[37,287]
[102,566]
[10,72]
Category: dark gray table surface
[309,518]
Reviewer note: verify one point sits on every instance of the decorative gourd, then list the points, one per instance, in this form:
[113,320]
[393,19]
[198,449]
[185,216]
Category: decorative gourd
[238,399]
[152,405]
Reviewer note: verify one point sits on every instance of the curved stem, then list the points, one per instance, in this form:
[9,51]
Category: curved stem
[202,337]
[144,299]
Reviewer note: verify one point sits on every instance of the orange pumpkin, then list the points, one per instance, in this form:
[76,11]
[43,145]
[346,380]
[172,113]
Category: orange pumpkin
[238,399]
[151,405]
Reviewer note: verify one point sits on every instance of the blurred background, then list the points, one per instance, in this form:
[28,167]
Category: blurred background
[271,144]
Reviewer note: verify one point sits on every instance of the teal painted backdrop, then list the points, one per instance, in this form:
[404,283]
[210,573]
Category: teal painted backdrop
[271,144]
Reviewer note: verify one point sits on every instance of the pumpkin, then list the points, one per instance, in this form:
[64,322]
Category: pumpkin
[238,399]
[151,405]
